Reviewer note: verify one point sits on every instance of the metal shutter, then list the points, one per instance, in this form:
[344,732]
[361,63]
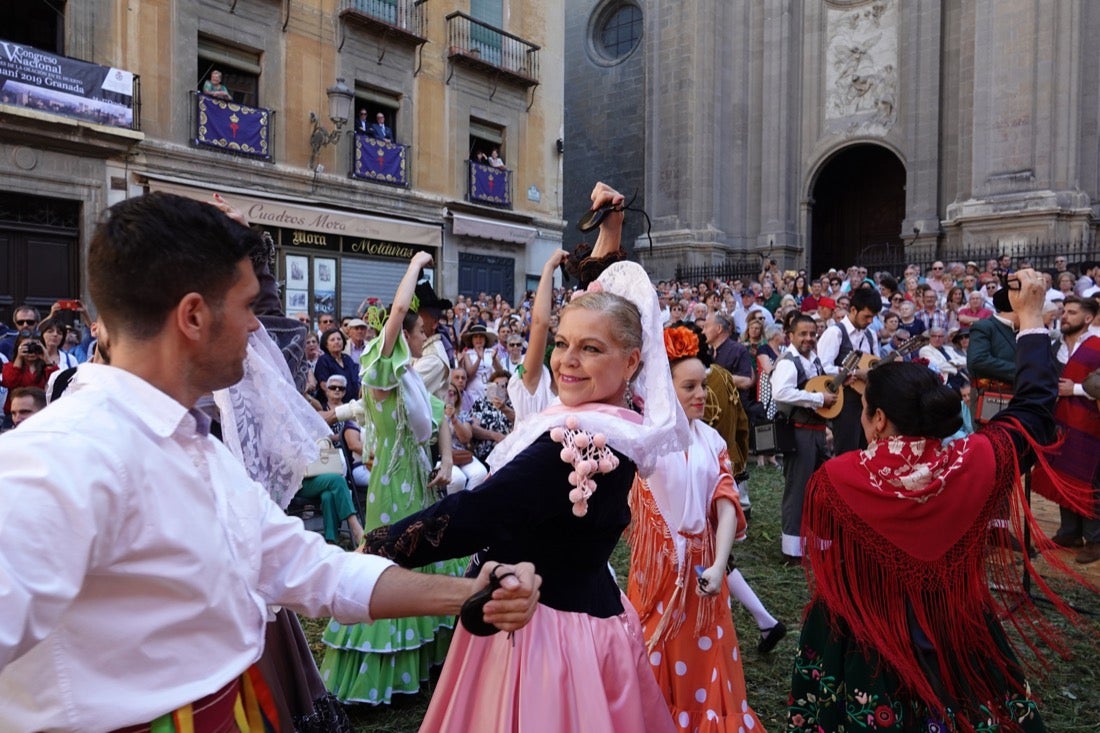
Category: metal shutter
[361,278]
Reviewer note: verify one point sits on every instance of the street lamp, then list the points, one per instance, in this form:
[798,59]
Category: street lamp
[339,110]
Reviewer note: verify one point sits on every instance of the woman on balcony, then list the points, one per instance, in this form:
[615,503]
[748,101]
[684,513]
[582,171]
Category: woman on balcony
[213,87]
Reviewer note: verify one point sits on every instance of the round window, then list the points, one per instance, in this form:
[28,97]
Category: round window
[619,31]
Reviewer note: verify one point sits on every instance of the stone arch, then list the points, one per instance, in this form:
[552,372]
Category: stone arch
[857,205]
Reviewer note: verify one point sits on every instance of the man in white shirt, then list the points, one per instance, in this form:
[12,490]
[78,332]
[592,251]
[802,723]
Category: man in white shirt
[136,575]
[357,339]
[851,333]
[796,365]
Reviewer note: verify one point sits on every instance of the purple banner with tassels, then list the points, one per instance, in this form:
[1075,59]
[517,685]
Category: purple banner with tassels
[380,160]
[232,127]
[490,185]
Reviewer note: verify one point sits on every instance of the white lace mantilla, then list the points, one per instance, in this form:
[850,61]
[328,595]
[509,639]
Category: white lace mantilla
[267,424]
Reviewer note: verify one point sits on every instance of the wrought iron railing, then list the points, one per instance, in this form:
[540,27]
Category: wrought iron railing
[380,160]
[479,43]
[232,128]
[489,185]
[406,15]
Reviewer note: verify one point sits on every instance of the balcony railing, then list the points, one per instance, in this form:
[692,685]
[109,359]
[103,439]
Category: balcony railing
[59,85]
[404,16]
[232,128]
[380,160]
[478,45]
[489,185]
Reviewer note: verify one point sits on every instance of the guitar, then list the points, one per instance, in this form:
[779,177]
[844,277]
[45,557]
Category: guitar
[833,383]
[870,361]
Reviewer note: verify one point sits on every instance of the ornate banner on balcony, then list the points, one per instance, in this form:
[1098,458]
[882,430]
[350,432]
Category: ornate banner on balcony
[63,86]
[489,184]
[380,160]
[232,127]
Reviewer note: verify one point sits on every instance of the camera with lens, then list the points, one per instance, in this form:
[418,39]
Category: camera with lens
[33,347]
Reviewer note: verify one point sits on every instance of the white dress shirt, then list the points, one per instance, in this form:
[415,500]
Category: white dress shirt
[138,561]
[785,381]
[828,345]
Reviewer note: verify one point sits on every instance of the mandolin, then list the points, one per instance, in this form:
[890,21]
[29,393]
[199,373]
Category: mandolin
[834,384]
[870,361]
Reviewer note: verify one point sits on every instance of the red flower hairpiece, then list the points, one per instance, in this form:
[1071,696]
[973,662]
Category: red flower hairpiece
[681,343]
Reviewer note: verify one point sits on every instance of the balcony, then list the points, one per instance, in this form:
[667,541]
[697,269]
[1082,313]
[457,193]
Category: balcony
[232,128]
[490,50]
[380,161]
[401,18]
[489,185]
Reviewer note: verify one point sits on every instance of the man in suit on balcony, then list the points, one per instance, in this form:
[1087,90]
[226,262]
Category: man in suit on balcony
[379,130]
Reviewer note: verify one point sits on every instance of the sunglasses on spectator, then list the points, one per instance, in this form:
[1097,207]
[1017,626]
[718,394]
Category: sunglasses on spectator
[515,345]
[338,389]
[25,321]
[896,298]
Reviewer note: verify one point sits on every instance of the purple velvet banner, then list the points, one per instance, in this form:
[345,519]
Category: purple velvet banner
[232,127]
[380,160]
[489,185]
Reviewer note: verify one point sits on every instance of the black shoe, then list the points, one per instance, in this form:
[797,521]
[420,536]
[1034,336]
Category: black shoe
[1065,540]
[771,637]
[748,512]
[791,561]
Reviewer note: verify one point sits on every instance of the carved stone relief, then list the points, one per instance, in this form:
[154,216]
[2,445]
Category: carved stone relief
[861,68]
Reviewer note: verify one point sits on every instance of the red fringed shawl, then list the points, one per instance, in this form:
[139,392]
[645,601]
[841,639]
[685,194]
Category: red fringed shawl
[902,528]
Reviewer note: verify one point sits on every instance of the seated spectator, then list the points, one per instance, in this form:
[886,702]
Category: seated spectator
[490,424]
[975,309]
[25,401]
[944,360]
[53,334]
[333,360]
[347,433]
[25,318]
[467,472]
[900,337]
[27,369]
[826,307]
[213,87]
[336,505]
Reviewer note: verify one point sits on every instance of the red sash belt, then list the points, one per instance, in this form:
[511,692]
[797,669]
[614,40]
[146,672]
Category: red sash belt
[211,714]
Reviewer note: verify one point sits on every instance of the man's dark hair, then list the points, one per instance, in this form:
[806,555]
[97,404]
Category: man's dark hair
[889,282]
[792,324]
[1089,305]
[35,393]
[151,251]
[862,298]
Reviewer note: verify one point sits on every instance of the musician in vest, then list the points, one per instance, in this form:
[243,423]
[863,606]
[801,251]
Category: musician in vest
[1078,419]
[836,343]
[798,363]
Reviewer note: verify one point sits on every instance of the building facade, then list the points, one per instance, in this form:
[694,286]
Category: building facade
[348,205]
[825,132]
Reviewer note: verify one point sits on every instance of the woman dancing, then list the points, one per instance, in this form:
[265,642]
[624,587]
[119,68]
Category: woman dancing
[685,519]
[558,495]
[902,632]
[370,662]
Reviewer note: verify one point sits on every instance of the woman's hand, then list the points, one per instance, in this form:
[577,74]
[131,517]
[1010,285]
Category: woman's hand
[421,260]
[442,476]
[611,228]
[235,214]
[710,582]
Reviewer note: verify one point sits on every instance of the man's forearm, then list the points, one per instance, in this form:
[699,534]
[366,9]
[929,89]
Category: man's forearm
[400,593]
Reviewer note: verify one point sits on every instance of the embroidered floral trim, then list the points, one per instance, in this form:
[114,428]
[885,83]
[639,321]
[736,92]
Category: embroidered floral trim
[912,468]
[588,453]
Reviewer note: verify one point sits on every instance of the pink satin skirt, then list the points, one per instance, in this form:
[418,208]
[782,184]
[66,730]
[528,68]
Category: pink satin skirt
[562,673]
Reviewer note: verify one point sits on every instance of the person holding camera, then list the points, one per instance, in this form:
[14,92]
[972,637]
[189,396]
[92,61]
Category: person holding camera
[28,367]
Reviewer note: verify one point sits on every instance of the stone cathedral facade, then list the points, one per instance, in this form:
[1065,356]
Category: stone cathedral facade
[823,130]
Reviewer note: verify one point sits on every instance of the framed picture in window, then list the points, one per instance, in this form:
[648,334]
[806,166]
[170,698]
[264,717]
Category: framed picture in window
[297,272]
[297,301]
[324,273]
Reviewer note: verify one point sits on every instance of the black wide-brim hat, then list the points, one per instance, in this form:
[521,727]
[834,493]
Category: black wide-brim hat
[478,330]
[426,297]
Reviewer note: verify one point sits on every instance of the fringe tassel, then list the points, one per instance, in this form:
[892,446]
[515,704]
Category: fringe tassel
[876,588]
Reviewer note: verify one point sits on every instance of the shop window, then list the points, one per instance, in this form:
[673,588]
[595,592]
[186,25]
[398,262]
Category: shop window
[38,23]
[239,69]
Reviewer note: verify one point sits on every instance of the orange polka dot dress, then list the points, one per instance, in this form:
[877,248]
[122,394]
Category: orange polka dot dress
[692,645]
